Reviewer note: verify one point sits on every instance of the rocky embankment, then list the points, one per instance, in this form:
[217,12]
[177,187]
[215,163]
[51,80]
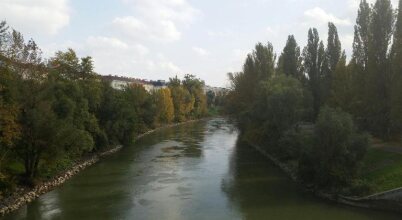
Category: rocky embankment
[25,195]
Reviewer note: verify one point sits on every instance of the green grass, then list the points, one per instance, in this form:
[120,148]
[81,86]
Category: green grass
[56,167]
[15,168]
[382,170]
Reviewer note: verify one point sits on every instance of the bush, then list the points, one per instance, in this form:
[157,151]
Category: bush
[293,142]
[7,185]
[337,151]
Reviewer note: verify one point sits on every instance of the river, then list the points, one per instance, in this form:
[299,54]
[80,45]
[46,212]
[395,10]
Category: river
[194,171]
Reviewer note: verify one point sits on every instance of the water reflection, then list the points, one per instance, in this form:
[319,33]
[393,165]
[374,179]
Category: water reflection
[259,190]
[194,171]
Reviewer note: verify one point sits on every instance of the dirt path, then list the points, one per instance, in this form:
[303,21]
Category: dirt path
[394,147]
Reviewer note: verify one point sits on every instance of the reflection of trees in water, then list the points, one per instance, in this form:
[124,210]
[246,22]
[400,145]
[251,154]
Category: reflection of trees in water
[221,124]
[189,136]
[253,183]
[259,190]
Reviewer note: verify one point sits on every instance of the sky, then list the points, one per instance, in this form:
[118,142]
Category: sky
[158,39]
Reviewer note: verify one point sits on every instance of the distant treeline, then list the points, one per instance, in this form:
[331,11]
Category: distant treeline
[311,106]
[54,111]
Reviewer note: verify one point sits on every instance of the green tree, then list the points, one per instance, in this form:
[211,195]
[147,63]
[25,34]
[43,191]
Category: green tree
[333,56]
[334,48]
[141,103]
[362,35]
[258,67]
[342,89]
[396,53]
[313,59]
[290,61]
[47,132]
[3,36]
[10,129]
[359,63]
[263,60]
[196,88]
[278,106]
[378,89]
[336,156]
[71,67]
[116,116]
[396,60]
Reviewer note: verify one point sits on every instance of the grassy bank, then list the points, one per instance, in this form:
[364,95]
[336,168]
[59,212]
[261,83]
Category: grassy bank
[382,169]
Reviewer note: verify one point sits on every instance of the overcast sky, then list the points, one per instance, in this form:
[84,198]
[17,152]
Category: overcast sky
[156,39]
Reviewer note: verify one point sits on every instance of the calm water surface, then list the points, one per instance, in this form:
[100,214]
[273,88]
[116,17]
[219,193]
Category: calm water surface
[194,171]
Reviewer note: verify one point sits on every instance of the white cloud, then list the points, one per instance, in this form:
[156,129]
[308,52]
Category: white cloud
[272,31]
[237,59]
[200,51]
[115,56]
[36,16]
[169,67]
[220,34]
[175,10]
[156,19]
[241,54]
[319,16]
[347,40]
[132,27]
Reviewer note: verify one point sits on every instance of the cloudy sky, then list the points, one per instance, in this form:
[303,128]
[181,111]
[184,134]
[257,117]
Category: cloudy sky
[156,39]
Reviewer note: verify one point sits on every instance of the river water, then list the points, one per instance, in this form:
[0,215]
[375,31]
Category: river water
[194,171]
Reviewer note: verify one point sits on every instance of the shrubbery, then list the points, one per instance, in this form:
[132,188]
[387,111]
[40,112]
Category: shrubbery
[338,149]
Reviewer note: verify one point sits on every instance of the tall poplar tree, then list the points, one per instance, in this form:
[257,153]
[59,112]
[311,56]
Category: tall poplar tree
[378,100]
[334,48]
[396,58]
[289,62]
[396,54]
[361,36]
[313,58]
[359,63]
[331,57]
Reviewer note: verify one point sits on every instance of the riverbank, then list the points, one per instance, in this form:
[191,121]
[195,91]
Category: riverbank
[382,168]
[24,195]
[390,200]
